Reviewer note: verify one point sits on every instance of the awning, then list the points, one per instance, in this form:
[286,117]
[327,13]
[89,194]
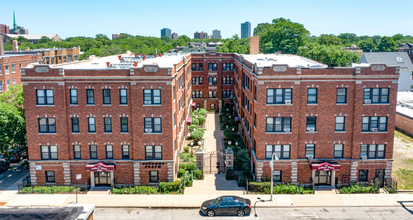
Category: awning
[193,105]
[237,119]
[325,166]
[188,121]
[100,167]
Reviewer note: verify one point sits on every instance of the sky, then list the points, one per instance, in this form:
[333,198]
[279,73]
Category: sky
[147,18]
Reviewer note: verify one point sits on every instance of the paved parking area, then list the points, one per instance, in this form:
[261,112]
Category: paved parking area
[12,175]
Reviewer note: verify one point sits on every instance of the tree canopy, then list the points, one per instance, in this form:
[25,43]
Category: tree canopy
[12,129]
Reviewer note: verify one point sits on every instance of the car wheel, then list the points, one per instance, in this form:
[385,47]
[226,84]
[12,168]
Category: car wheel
[210,213]
[240,213]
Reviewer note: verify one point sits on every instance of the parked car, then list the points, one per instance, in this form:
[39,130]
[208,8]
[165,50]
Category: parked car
[4,165]
[17,156]
[226,205]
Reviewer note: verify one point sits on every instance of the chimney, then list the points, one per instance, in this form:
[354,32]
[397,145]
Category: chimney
[107,64]
[135,64]
[15,46]
[1,46]
[254,45]
[27,48]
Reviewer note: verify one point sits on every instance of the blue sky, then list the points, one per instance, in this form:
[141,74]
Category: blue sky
[147,18]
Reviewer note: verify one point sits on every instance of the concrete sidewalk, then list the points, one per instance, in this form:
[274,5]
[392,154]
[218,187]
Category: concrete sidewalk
[194,201]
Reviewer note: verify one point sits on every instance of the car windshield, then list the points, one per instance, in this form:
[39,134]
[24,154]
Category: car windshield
[216,201]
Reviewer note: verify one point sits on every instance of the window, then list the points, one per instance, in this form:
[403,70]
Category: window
[153,152]
[255,120]
[227,94]
[227,66]
[212,66]
[338,150]
[14,82]
[212,106]
[13,68]
[123,99]
[47,125]
[1,71]
[341,95]
[282,151]
[363,175]
[106,96]
[255,93]
[197,105]
[91,125]
[197,80]
[376,95]
[153,176]
[227,80]
[50,177]
[90,96]
[279,124]
[8,84]
[75,57]
[70,58]
[277,176]
[173,92]
[278,96]
[1,86]
[372,151]
[44,97]
[108,124]
[152,96]
[212,94]
[311,96]
[311,123]
[109,152]
[197,94]
[212,80]
[73,97]
[340,125]
[374,124]
[153,125]
[52,60]
[197,67]
[49,152]
[7,70]
[76,151]
[124,124]
[75,124]
[309,150]
[93,152]
[125,151]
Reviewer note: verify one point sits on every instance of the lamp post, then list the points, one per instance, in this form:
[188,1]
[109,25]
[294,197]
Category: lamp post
[255,211]
[192,144]
[274,157]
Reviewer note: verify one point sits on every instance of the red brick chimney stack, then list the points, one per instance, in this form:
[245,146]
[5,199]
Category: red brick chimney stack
[1,46]
[15,46]
[254,45]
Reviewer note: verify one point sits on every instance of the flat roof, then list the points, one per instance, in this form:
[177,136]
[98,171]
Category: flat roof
[267,60]
[405,103]
[17,55]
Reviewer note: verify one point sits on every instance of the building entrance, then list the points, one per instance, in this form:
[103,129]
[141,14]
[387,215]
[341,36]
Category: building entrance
[102,179]
[322,178]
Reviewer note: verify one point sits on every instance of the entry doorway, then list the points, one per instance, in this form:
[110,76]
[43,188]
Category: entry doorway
[380,176]
[102,179]
[322,178]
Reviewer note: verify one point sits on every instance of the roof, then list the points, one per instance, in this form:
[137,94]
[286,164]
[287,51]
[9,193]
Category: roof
[267,60]
[31,36]
[389,58]
[405,104]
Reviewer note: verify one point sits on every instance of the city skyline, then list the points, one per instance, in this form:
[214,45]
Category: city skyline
[318,18]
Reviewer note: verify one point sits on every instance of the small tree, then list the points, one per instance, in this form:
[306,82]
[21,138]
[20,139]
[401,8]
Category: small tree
[202,111]
[201,120]
[197,135]
[195,112]
[195,121]
[192,128]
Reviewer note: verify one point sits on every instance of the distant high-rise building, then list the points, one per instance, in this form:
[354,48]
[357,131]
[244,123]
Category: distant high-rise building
[245,30]
[216,34]
[175,36]
[166,32]
[4,29]
[201,35]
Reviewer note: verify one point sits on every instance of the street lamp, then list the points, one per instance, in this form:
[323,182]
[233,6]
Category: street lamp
[199,143]
[229,143]
[258,200]
[274,157]
[236,143]
[192,144]
[233,129]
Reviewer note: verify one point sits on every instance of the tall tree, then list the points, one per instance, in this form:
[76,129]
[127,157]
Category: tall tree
[387,44]
[329,40]
[14,96]
[43,40]
[333,56]
[21,39]
[281,35]
[12,129]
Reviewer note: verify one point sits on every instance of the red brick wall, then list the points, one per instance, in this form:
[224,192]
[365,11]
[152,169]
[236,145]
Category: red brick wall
[404,123]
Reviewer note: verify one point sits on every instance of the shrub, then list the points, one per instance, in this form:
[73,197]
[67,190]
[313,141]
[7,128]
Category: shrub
[353,188]
[197,135]
[202,111]
[188,179]
[265,187]
[187,159]
[187,166]
[180,171]
[201,130]
[195,121]
[186,149]
[192,128]
[199,175]
[195,112]
[167,187]
[49,190]
[201,120]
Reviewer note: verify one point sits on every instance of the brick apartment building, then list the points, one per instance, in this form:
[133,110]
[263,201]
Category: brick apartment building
[118,122]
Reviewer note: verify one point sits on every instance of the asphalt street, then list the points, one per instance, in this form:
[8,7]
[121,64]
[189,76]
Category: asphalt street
[398,213]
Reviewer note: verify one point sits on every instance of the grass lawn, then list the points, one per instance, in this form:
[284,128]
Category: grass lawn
[403,160]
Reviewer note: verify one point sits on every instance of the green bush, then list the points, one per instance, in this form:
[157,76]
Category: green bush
[353,188]
[180,171]
[201,120]
[168,187]
[195,112]
[188,179]
[135,190]
[49,190]
[265,187]
[199,175]
[197,135]
[187,166]
[202,111]
[195,121]
[192,128]
[186,149]
[201,130]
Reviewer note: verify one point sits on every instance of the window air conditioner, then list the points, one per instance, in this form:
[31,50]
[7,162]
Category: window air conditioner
[148,130]
[374,129]
[147,102]
[368,101]
[364,157]
[310,156]
[287,130]
[310,129]
[288,102]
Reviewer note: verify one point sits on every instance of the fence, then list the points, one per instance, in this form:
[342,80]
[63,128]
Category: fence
[25,187]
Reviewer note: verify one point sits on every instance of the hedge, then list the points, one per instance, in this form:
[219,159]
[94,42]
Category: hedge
[167,187]
[49,190]
[135,190]
[199,175]
[187,166]
[265,187]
